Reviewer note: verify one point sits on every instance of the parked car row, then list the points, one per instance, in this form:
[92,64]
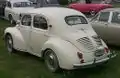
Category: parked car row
[11,9]
[91,9]
[65,40]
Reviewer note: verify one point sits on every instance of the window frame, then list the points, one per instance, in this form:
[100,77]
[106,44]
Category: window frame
[112,17]
[22,20]
[39,17]
[102,14]
[75,16]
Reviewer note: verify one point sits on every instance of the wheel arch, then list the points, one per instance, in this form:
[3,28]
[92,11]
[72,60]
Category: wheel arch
[63,53]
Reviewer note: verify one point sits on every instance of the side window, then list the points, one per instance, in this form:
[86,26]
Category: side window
[116,17]
[9,4]
[40,22]
[104,16]
[26,20]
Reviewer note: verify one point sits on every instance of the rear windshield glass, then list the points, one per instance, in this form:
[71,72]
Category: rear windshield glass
[23,4]
[75,20]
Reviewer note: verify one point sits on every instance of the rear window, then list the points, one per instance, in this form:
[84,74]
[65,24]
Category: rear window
[75,20]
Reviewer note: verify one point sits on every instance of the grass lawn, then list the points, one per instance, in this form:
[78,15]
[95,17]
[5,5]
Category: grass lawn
[23,65]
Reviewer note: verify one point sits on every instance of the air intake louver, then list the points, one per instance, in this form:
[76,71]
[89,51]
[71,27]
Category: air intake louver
[86,42]
[97,40]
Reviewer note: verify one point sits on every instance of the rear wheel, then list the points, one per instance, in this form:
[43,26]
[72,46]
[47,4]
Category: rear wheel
[51,61]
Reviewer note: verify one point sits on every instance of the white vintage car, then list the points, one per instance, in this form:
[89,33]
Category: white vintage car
[15,7]
[62,36]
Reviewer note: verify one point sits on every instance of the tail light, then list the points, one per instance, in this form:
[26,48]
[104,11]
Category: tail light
[80,55]
[82,61]
[106,50]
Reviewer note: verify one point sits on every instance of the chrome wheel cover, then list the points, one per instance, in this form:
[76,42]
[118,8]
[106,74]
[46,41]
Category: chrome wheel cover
[51,60]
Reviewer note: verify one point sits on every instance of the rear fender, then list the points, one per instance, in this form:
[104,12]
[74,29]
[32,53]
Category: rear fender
[65,51]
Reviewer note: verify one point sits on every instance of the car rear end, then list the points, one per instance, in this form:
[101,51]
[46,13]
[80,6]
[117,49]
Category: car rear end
[95,52]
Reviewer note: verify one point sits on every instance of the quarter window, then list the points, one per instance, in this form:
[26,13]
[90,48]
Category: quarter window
[40,22]
[104,16]
[26,20]
[116,17]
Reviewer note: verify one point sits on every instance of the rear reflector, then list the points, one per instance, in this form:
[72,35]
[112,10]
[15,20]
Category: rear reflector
[82,61]
[106,50]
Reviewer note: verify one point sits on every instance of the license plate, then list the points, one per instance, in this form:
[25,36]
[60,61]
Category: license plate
[99,53]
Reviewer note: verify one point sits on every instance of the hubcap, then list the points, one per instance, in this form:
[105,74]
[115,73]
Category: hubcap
[9,43]
[51,61]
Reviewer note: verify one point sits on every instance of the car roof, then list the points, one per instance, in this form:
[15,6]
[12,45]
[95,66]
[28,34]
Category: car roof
[111,9]
[55,12]
[13,1]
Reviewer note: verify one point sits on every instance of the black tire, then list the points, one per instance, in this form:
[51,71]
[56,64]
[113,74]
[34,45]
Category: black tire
[9,43]
[51,61]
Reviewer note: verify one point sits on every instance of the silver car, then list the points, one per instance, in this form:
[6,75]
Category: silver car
[107,24]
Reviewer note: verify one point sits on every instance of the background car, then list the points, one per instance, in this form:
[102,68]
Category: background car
[91,8]
[14,8]
[107,25]
[45,3]
[64,40]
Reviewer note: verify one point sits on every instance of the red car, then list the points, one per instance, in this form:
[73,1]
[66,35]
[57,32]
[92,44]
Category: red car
[89,8]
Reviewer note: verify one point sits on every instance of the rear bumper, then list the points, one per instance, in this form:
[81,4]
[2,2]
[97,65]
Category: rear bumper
[90,64]
[94,63]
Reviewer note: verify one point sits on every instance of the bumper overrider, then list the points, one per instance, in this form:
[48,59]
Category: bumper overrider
[95,62]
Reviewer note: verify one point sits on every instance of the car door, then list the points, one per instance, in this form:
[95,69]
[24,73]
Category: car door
[25,29]
[100,24]
[39,34]
[114,28]
[8,9]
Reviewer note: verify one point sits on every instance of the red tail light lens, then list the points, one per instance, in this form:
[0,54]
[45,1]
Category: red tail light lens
[80,55]
[106,50]
[82,61]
